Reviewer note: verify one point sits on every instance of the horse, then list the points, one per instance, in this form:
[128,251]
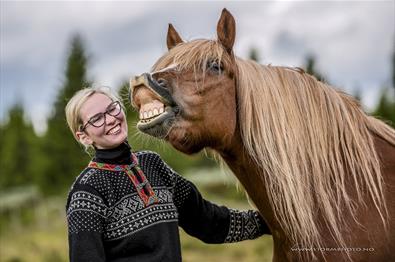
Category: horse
[319,169]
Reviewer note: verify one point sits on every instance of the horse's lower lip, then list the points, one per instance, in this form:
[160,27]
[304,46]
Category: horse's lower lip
[158,127]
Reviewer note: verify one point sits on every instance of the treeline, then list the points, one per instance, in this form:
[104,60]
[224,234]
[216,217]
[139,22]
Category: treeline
[53,160]
[385,108]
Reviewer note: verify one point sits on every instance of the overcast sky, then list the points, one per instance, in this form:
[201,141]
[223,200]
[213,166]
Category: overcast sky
[352,41]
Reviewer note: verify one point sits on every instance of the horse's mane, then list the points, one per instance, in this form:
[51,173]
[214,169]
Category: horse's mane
[308,139]
[193,55]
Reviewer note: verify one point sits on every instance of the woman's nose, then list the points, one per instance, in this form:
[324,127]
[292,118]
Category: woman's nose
[110,119]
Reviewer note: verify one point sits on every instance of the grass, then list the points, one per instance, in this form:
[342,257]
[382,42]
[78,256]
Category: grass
[33,243]
[258,250]
[47,242]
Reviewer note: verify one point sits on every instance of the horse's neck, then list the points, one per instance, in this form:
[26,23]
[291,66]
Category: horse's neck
[250,176]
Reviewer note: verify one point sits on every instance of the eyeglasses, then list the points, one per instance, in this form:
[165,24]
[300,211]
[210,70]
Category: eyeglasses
[99,119]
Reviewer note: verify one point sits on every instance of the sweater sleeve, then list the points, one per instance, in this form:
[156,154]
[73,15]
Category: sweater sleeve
[212,223]
[209,222]
[86,212]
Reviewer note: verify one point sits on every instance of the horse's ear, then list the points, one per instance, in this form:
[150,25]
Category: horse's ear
[173,38]
[226,30]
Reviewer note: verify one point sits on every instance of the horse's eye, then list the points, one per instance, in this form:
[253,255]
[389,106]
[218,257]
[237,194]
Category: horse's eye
[215,67]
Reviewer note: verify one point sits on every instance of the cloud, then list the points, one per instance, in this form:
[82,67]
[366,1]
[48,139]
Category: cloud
[352,41]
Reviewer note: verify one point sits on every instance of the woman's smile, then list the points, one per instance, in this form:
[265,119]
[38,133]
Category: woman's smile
[115,130]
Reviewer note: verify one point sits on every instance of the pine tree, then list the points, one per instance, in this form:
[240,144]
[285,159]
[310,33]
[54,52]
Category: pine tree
[66,157]
[385,109]
[393,86]
[386,105]
[393,69]
[311,69]
[254,54]
[17,150]
[357,94]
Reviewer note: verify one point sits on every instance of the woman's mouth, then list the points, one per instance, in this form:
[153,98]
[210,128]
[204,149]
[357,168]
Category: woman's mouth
[115,130]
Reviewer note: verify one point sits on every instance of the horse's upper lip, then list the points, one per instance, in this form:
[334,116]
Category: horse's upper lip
[146,81]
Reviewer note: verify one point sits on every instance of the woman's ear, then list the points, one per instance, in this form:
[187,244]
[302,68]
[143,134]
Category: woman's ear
[84,138]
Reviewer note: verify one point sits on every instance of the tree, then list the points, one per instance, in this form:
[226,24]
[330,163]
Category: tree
[393,68]
[254,54]
[386,106]
[66,156]
[357,94]
[17,150]
[310,68]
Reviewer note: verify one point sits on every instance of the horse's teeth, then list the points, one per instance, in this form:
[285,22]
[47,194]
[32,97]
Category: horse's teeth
[145,116]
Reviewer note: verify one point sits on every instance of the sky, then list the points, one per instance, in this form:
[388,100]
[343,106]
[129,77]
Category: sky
[352,42]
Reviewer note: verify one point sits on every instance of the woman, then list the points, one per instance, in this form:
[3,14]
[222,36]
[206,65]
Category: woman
[127,206]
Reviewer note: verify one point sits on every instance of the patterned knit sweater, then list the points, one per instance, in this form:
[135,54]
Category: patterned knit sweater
[109,221]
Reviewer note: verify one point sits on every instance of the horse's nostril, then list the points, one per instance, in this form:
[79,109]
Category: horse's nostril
[162,82]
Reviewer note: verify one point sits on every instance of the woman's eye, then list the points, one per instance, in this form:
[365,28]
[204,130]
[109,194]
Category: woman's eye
[111,109]
[95,119]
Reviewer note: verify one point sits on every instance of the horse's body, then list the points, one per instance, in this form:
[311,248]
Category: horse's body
[366,240]
[320,171]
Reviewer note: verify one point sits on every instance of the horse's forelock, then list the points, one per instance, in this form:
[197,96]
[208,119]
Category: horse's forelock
[194,55]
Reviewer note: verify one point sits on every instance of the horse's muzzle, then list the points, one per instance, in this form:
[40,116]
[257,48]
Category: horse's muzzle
[146,80]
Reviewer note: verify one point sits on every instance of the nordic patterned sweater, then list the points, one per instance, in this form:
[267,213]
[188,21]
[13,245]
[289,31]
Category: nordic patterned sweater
[109,221]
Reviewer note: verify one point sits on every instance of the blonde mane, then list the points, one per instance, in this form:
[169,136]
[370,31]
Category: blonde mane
[308,139]
[193,55]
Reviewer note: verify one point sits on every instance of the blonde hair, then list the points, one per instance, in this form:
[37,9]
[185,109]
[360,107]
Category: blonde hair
[305,165]
[74,105]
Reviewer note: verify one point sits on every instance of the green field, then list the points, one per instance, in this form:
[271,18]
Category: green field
[46,241]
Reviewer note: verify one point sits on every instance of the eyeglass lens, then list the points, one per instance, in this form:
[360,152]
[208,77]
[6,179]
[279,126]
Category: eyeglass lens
[113,110]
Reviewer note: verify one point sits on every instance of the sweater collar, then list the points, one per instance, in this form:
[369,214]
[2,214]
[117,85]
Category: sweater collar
[119,155]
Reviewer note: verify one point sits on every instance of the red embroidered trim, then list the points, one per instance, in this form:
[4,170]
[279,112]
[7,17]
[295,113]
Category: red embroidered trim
[136,175]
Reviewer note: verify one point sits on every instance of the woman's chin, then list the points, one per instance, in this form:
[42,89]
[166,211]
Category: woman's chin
[114,140]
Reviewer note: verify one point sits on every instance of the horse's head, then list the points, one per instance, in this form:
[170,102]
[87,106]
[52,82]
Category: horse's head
[189,97]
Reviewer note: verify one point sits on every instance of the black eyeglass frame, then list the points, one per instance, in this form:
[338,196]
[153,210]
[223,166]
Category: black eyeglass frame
[116,103]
